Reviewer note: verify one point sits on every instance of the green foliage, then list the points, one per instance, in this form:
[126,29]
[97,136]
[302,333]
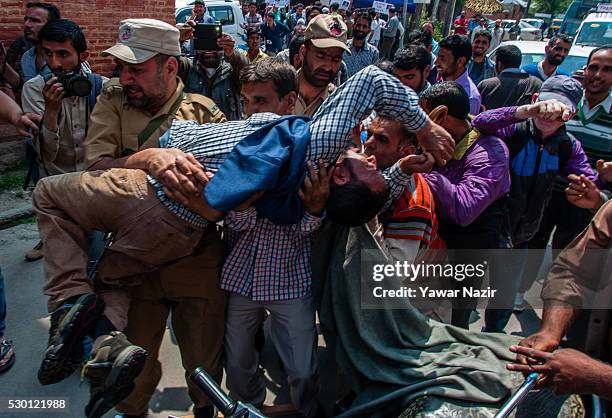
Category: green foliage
[549,6]
[12,180]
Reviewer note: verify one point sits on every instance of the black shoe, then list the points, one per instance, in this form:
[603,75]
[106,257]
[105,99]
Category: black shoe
[69,325]
[111,373]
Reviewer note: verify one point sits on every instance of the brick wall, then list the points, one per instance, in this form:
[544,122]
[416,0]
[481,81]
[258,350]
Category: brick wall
[99,20]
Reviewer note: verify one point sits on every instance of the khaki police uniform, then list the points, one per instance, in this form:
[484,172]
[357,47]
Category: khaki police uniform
[189,287]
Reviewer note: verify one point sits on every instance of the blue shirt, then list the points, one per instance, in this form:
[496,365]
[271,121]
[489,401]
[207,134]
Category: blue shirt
[274,35]
[534,70]
[28,66]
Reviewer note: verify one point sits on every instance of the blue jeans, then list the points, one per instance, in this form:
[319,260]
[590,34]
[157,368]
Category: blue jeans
[2,305]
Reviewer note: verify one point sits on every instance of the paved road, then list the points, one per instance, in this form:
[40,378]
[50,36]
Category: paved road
[27,325]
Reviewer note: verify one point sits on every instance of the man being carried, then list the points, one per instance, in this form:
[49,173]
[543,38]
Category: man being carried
[137,208]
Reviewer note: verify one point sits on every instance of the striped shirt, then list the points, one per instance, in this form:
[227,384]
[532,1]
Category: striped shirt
[414,216]
[359,58]
[330,129]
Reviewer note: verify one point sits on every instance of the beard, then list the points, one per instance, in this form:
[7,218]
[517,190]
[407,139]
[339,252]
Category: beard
[555,60]
[359,35]
[317,78]
[208,60]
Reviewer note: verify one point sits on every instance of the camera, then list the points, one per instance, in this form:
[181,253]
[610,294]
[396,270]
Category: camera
[74,83]
[206,35]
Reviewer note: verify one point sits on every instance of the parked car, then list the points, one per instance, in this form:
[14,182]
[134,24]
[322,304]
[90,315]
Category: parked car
[533,52]
[528,32]
[228,13]
[536,23]
[595,31]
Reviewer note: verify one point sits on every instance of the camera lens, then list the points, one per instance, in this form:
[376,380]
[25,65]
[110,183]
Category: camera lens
[80,86]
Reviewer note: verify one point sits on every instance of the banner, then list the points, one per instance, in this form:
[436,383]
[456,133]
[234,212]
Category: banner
[381,7]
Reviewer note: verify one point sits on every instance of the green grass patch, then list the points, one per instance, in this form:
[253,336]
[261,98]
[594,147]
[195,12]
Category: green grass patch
[12,180]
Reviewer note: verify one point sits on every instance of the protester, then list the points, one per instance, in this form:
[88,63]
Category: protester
[429,27]
[299,13]
[254,53]
[376,29]
[312,12]
[470,190]
[269,87]
[389,33]
[361,52]
[539,150]
[556,51]
[200,14]
[497,35]
[424,37]
[131,114]
[292,54]
[252,19]
[451,63]
[480,66]
[460,25]
[216,74]
[31,60]
[273,33]
[511,86]
[321,56]
[411,66]
[482,26]
[590,125]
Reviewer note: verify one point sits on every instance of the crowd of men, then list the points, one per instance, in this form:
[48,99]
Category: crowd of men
[213,175]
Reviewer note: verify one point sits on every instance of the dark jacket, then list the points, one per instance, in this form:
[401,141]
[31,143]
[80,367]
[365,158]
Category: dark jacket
[508,89]
[274,159]
[534,164]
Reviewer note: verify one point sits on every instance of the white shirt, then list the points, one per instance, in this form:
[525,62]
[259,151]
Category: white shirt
[606,104]
[542,74]
[376,27]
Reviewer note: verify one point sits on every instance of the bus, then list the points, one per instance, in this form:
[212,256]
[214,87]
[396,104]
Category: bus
[575,14]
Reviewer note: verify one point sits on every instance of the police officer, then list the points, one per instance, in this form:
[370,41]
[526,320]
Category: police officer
[130,115]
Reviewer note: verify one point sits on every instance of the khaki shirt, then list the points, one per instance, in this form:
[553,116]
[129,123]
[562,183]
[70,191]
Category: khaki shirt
[302,109]
[60,151]
[115,124]
[581,276]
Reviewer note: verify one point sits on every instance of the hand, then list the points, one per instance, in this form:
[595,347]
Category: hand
[185,32]
[249,202]
[541,341]
[547,110]
[315,191]
[434,139]
[53,93]
[605,171]
[583,193]
[26,123]
[191,22]
[417,163]
[566,371]
[199,205]
[181,174]
[227,43]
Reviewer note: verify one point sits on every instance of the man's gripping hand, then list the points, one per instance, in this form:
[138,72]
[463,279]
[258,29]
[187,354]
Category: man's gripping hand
[437,141]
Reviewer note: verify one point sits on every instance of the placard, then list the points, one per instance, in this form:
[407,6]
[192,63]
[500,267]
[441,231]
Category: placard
[381,7]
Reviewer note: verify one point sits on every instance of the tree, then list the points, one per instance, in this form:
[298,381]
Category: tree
[552,7]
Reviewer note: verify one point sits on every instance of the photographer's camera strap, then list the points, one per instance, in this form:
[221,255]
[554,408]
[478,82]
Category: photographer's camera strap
[155,123]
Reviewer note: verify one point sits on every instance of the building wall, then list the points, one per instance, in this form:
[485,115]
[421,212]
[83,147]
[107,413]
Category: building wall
[99,20]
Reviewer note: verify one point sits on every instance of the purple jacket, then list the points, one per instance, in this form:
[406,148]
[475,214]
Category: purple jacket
[464,188]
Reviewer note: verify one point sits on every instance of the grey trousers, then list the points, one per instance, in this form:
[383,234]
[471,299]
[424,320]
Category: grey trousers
[294,336]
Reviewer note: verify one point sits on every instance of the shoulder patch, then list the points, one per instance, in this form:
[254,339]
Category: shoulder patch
[112,86]
[202,101]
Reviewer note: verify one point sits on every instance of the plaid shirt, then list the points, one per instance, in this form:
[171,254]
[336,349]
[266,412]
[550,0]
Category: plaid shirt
[359,58]
[330,129]
[266,261]
[253,21]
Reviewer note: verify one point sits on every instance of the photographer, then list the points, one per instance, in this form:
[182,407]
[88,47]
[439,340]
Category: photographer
[64,99]
[215,71]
